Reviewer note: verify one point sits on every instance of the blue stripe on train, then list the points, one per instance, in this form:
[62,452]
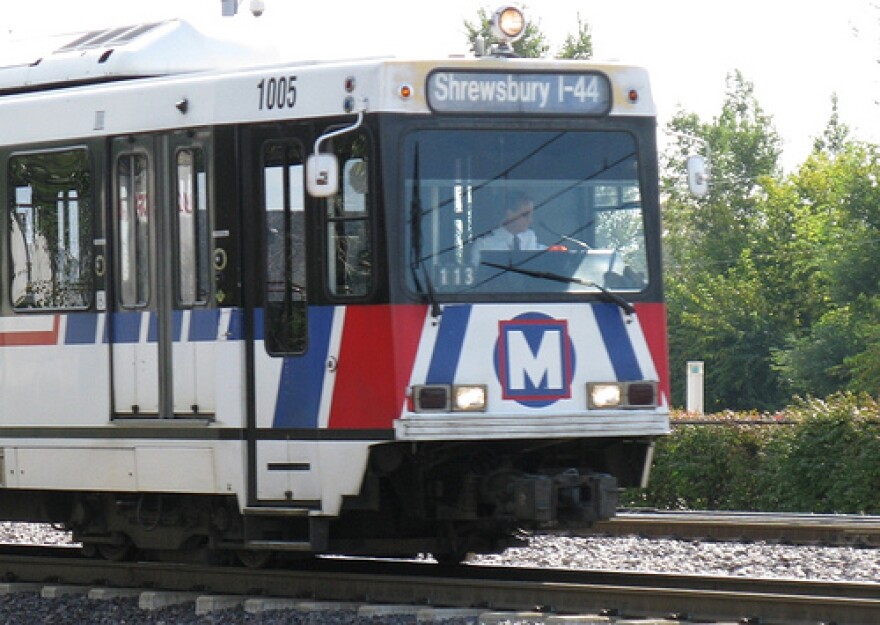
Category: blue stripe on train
[617,342]
[122,327]
[302,377]
[204,325]
[176,327]
[447,350]
[82,329]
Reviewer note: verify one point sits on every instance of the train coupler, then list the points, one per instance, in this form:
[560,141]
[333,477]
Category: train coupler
[568,498]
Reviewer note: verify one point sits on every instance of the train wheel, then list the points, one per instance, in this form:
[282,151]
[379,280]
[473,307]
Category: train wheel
[116,552]
[254,559]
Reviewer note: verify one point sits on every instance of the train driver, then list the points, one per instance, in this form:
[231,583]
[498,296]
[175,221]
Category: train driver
[514,233]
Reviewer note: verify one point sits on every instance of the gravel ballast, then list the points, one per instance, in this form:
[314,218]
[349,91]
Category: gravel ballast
[690,557]
[595,553]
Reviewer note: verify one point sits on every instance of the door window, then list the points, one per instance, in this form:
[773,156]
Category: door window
[134,211]
[285,315]
[193,268]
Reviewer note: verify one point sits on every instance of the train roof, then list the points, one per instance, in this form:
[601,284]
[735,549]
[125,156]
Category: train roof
[153,49]
[168,75]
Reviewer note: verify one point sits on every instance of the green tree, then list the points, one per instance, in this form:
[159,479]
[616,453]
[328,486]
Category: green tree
[836,134]
[722,252]
[838,346]
[580,46]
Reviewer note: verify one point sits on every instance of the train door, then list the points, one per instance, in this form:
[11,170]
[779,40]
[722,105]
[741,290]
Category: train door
[134,358]
[311,251]
[160,226]
[194,318]
[284,355]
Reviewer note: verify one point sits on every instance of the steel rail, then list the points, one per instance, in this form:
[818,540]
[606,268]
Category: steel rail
[795,529]
[490,588]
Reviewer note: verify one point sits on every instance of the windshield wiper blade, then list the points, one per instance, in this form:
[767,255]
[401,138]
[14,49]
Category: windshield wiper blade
[613,298]
[417,262]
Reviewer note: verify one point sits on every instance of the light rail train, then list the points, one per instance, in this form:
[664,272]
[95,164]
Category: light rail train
[373,307]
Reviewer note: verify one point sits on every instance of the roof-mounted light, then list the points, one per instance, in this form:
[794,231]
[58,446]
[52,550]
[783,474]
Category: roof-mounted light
[508,24]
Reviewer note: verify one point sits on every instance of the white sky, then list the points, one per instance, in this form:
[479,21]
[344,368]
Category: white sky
[796,52]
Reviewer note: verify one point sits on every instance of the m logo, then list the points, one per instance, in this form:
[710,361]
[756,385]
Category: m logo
[534,360]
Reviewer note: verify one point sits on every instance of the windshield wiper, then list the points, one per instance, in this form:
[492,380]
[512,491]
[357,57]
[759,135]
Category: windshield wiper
[566,237]
[416,261]
[608,296]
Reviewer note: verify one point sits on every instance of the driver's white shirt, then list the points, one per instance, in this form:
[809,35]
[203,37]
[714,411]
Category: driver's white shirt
[502,239]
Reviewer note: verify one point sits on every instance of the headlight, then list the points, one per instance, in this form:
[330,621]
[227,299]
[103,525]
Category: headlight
[641,394]
[469,398]
[604,395]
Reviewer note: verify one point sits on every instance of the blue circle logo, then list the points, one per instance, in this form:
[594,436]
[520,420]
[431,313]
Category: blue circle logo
[534,359]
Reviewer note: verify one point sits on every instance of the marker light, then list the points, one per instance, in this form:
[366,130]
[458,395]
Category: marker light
[508,24]
[431,398]
[405,92]
[641,394]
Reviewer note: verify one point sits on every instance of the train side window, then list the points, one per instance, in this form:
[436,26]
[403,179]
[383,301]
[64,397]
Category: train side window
[349,237]
[50,229]
[134,211]
[285,314]
[193,272]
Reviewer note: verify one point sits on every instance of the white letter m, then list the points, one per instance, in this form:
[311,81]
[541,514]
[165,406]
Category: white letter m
[544,366]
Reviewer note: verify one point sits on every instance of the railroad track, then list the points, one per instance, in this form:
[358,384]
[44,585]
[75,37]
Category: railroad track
[796,529]
[536,596]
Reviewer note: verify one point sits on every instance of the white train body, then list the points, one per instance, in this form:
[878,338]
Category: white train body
[184,328]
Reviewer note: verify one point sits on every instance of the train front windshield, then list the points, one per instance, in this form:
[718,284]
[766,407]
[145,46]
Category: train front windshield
[523,212]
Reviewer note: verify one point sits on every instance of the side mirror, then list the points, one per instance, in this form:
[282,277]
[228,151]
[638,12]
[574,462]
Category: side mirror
[322,175]
[322,168]
[698,177]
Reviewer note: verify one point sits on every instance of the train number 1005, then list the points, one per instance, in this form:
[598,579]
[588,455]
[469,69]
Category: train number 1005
[277,92]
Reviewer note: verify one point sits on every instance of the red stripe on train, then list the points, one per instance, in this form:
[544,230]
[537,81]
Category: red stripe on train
[376,358]
[32,337]
[652,317]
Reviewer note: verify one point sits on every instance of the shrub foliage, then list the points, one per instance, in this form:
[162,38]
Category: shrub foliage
[820,456]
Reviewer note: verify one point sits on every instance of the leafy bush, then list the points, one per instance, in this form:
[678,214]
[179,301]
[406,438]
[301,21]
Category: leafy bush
[823,456]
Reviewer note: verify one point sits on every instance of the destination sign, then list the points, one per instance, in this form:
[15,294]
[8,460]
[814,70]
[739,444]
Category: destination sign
[530,93]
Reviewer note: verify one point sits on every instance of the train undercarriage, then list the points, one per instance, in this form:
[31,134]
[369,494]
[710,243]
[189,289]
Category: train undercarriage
[447,499]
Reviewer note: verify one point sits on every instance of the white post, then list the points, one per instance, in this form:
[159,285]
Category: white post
[695,387]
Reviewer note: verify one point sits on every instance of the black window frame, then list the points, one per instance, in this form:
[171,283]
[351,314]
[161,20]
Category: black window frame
[86,206]
[293,231]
